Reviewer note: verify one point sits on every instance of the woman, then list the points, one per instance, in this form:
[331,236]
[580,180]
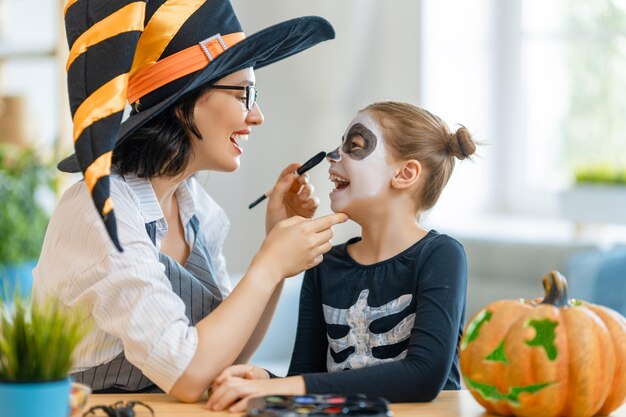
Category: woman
[161,311]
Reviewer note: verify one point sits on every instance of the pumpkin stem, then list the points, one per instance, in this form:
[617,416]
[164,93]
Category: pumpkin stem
[555,285]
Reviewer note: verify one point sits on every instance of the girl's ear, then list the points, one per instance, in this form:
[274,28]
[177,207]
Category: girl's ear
[407,174]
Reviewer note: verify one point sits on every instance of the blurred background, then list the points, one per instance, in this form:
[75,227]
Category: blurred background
[540,83]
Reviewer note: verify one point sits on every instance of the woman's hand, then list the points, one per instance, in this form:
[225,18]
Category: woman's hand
[233,393]
[296,244]
[292,195]
[245,371]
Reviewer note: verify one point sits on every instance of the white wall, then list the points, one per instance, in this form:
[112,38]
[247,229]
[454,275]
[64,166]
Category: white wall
[309,99]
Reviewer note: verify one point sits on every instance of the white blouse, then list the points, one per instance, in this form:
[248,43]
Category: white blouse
[125,298]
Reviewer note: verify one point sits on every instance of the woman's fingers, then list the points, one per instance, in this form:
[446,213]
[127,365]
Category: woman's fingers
[289,169]
[306,192]
[328,221]
[230,391]
[299,183]
[282,187]
[241,405]
[217,392]
[304,179]
[312,204]
[323,248]
[229,398]
[234,370]
[324,236]
[319,254]
[292,221]
[224,396]
[295,244]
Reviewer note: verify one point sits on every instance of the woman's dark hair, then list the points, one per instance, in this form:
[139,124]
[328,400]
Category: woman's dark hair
[161,147]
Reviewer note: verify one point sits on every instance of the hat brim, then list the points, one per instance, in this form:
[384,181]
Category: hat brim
[258,50]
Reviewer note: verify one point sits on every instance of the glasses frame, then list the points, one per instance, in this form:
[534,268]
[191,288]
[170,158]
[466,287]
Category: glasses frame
[251,93]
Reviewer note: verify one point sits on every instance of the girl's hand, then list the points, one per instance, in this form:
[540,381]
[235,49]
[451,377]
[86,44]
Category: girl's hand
[233,393]
[245,371]
[296,244]
[292,195]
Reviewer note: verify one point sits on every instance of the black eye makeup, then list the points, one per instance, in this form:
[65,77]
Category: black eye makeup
[359,142]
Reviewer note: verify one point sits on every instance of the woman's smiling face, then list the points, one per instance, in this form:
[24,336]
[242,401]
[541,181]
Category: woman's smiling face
[360,167]
[224,122]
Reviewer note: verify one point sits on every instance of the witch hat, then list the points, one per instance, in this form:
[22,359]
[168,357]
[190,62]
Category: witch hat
[152,54]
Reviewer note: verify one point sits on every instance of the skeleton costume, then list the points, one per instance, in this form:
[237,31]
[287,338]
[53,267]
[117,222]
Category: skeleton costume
[394,325]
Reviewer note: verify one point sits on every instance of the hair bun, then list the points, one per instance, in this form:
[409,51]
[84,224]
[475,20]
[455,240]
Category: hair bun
[461,143]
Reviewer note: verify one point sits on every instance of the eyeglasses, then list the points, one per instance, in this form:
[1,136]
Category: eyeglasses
[250,95]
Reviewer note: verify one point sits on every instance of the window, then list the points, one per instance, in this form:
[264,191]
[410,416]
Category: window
[543,83]
[574,77]
[29,69]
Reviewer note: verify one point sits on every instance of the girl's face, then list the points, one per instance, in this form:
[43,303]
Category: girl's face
[359,167]
[223,121]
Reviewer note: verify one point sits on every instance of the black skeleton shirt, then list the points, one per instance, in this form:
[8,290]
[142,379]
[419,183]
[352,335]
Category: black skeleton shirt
[389,329]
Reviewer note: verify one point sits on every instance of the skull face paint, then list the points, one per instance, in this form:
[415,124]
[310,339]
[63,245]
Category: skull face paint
[359,167]
[353,147]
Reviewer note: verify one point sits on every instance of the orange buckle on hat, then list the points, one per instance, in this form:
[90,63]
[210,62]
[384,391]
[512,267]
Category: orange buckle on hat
[180,64]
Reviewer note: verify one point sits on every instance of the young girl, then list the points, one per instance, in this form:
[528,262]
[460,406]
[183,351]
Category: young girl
[387,308]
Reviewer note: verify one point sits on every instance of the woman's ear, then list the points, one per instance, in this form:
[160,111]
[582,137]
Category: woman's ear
[407,174]
[185,122]
[178,112]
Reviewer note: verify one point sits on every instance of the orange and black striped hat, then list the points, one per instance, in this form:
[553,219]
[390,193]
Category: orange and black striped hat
[151,54]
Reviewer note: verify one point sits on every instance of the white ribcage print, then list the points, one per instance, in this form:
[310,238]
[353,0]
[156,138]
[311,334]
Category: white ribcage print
[358,318]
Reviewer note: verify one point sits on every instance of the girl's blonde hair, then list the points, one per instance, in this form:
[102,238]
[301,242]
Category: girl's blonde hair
[414,133]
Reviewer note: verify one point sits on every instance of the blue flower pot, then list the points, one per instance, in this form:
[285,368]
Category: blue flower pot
[34,399]
[14,277]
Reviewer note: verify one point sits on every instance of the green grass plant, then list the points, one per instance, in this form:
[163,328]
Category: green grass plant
[601,174]
[37,340]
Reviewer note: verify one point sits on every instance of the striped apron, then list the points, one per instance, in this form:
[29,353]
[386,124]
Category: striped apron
[194,283]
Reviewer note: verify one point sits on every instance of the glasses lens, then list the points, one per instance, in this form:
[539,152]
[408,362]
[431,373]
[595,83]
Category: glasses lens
[251,95]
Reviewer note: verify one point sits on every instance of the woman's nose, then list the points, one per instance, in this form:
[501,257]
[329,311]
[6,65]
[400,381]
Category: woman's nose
[255,116]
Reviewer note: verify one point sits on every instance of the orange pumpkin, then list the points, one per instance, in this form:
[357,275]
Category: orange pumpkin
[550,357]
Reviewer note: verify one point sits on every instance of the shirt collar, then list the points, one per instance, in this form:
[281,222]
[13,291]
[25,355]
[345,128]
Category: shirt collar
[185,203]
[149,205]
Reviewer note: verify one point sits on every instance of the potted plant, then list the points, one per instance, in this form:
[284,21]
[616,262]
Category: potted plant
[25,180]
[598,195]
[36,345]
